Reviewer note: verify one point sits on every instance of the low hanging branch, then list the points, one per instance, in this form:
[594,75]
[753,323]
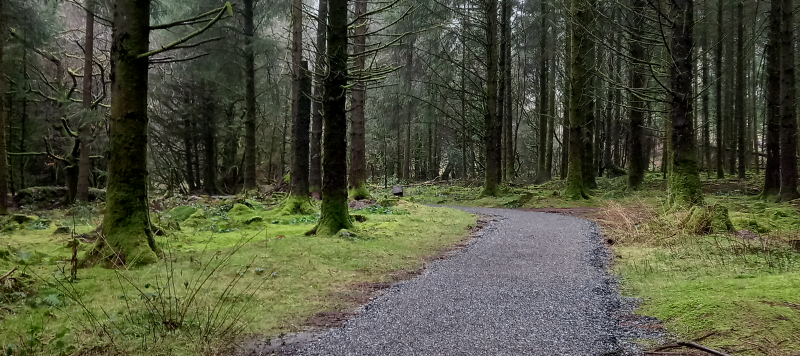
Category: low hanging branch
[177,44]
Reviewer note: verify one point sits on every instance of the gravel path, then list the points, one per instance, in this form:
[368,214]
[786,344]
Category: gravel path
[530,284]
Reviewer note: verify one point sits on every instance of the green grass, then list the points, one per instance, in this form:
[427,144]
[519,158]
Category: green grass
[284,277]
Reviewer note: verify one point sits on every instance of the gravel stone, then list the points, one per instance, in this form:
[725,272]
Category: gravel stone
[530,284]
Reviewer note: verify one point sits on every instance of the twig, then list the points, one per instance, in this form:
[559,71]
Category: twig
[702,348]
[8,274]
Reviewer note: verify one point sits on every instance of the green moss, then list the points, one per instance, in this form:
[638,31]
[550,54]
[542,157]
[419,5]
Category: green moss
[243,214]
[181,213]
[709,219]
[334,216]
[294,205]
[685,189]
[197,219]
[360,193]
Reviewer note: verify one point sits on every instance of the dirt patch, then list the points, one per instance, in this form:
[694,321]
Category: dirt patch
[589,213]
[361,204]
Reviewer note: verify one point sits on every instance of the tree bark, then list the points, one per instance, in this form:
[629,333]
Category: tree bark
[493,136]
[580,96]
[684,177]
[300,107]
[335,216]
[358,145]
[788,110]
[84,130]
[209,130]
[705,98]
[315,170]
[741,129]
[126,224]
[772,172]
[250,183]
[508,114]
[638,165]
[718,97]
[300,127]
[3,159]
[543,99]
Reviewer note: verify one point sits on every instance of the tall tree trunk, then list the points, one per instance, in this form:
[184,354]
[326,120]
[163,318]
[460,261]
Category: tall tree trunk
[188,144]
[493,136]
[210,184]
[718,97]
[126,223]
[580,96]
[684,177]
[741,129]
[508,117]
[772,172]
[302,121]
[704,99]
[409,109]
[335,215]
[250,183]
[84,130]
[788,101]
[502,95]
[636,113]
[551,120]
[543,98]
[358,145]
[315,170]
[300,107]
[3,159]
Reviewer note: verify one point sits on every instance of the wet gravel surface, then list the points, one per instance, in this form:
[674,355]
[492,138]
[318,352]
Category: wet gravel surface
[529,284]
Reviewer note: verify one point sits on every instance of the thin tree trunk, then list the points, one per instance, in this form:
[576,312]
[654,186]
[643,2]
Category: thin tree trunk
[358,145]
[718,97]
[544,98]
[493,168]
[580,96]
[3,159]
[250,182]
[300,107]
[210,185]
[315,170]
[705,99]
[636,113]
[772,172]
[508,117]
[84,162]
[741,129]
[788,101]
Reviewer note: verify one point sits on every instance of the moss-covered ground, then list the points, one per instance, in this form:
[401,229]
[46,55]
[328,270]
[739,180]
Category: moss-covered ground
[230,268]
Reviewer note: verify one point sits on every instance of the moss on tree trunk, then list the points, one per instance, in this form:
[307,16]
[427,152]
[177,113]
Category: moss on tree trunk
[335,215]
[127,231]
[684,176]
[358,146]
[3,159]
[581,102]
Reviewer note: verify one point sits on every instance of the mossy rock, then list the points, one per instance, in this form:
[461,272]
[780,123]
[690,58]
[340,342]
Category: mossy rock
[62,230]
[197,219]
[347,234]
[359,218]
[243,214]
[712,219]
[181,213]
[525,198]
[388,202]
[22,219]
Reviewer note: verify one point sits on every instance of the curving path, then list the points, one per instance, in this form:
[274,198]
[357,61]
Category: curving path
[531,284]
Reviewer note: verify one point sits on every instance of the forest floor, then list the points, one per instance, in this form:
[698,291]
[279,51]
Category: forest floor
[236,270]
[232,267]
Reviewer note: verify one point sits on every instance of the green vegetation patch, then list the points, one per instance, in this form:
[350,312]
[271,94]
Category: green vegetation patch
[282,277]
